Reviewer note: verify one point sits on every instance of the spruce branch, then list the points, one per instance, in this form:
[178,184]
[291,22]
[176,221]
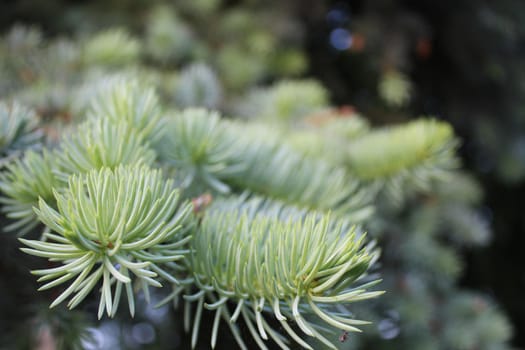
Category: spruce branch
[408,156]
[99,143]
[22,183]
[278,171]
[324,135]
[111,47]
[127,100]
[23,38]
[168,38]
[221,155]
[18,129]
[395,89]
[200,144]
[269,258]
[198,85]
[110,225]
[286,102]
[342,122]
[466,226]
[475,322]
[21,48]
[462,188]
[282,271]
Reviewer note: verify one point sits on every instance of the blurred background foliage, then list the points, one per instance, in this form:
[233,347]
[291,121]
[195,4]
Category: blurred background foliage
[462,61]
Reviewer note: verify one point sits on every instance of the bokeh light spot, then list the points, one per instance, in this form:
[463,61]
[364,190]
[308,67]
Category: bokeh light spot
[143,333]
[340,39]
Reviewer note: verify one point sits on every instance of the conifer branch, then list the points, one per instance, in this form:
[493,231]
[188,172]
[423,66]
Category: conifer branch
[22,183]
[128,101]
[100,49]
[269,258]
[18,129]
[406,157]
[105,227]
[221,154]
[200,145]
[99,143]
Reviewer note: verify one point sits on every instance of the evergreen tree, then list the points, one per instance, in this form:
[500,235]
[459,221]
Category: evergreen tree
[162,224]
